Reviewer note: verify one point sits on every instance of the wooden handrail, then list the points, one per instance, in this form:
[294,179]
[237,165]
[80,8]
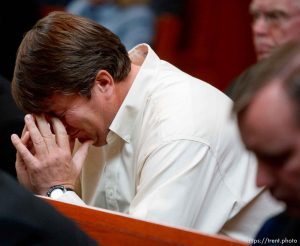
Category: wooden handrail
[110,228]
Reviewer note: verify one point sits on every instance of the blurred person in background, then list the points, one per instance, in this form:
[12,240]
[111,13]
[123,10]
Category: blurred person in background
[268,105]
[274,23]
[133,21]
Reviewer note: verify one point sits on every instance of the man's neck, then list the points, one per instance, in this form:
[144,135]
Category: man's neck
[124,86]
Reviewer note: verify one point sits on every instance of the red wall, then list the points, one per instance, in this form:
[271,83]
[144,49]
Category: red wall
[212,42]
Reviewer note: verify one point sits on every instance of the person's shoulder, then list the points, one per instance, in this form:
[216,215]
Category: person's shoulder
[26,218]
[281,226]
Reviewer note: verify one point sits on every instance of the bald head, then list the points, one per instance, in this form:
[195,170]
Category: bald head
[268,109]
[270,129]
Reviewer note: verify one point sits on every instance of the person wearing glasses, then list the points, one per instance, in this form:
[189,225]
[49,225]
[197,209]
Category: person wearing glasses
[274,23]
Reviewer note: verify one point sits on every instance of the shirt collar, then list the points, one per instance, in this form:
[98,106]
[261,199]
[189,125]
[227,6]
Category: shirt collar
[124,121]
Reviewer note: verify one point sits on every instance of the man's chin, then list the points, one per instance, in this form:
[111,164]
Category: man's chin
[263,55]
[263,51]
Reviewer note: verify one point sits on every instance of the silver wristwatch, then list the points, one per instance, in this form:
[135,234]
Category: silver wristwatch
[57,190]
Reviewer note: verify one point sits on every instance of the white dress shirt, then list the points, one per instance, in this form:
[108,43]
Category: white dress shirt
[174,156]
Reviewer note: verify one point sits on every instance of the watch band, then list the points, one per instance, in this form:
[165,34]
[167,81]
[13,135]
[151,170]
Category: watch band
[58,187]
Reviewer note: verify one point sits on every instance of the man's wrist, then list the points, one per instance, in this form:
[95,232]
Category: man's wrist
[57,190]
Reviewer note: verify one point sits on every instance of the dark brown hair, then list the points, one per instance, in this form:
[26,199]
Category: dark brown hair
[62,53]
[282,66]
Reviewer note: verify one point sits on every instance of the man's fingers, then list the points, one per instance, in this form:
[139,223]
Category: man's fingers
[61,134]
[35,135]
[45,131]
[25,137]
[23,152]
[81,154]
[24,130]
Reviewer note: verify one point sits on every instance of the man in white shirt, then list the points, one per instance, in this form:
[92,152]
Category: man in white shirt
[165,147]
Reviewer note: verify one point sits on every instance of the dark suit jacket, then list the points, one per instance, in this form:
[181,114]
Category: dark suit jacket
[279,230]
[12,121]
[27,220]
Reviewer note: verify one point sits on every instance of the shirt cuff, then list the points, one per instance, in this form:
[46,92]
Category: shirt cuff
[71,197]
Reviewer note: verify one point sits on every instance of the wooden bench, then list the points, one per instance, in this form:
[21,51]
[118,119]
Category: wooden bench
[110,228]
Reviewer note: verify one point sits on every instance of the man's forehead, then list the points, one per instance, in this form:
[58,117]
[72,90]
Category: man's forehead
[56,102]
[274,5]
[269,117]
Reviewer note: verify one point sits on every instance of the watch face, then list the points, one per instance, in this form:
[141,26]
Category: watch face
[56,193]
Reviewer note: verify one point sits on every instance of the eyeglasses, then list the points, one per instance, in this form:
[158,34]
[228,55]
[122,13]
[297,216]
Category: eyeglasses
[273,18]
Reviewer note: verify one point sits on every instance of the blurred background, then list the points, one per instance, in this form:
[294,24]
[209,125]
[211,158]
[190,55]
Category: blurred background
[208,39]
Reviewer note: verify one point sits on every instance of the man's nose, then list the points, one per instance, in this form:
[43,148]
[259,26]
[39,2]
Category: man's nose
[260,26]
[265,177]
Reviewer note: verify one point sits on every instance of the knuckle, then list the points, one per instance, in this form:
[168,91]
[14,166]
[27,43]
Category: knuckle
[36,169]
[23,152]
[64,154]
[38,141]
[48,135]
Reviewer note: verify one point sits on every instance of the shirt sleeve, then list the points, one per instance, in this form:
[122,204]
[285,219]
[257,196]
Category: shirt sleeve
[71,197]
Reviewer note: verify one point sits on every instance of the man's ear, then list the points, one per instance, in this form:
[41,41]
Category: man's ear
[104,81]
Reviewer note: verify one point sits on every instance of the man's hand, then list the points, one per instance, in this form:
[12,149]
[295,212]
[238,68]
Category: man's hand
[44,157]
[21,169]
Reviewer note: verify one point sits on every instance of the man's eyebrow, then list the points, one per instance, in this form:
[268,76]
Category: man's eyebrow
[253,10]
